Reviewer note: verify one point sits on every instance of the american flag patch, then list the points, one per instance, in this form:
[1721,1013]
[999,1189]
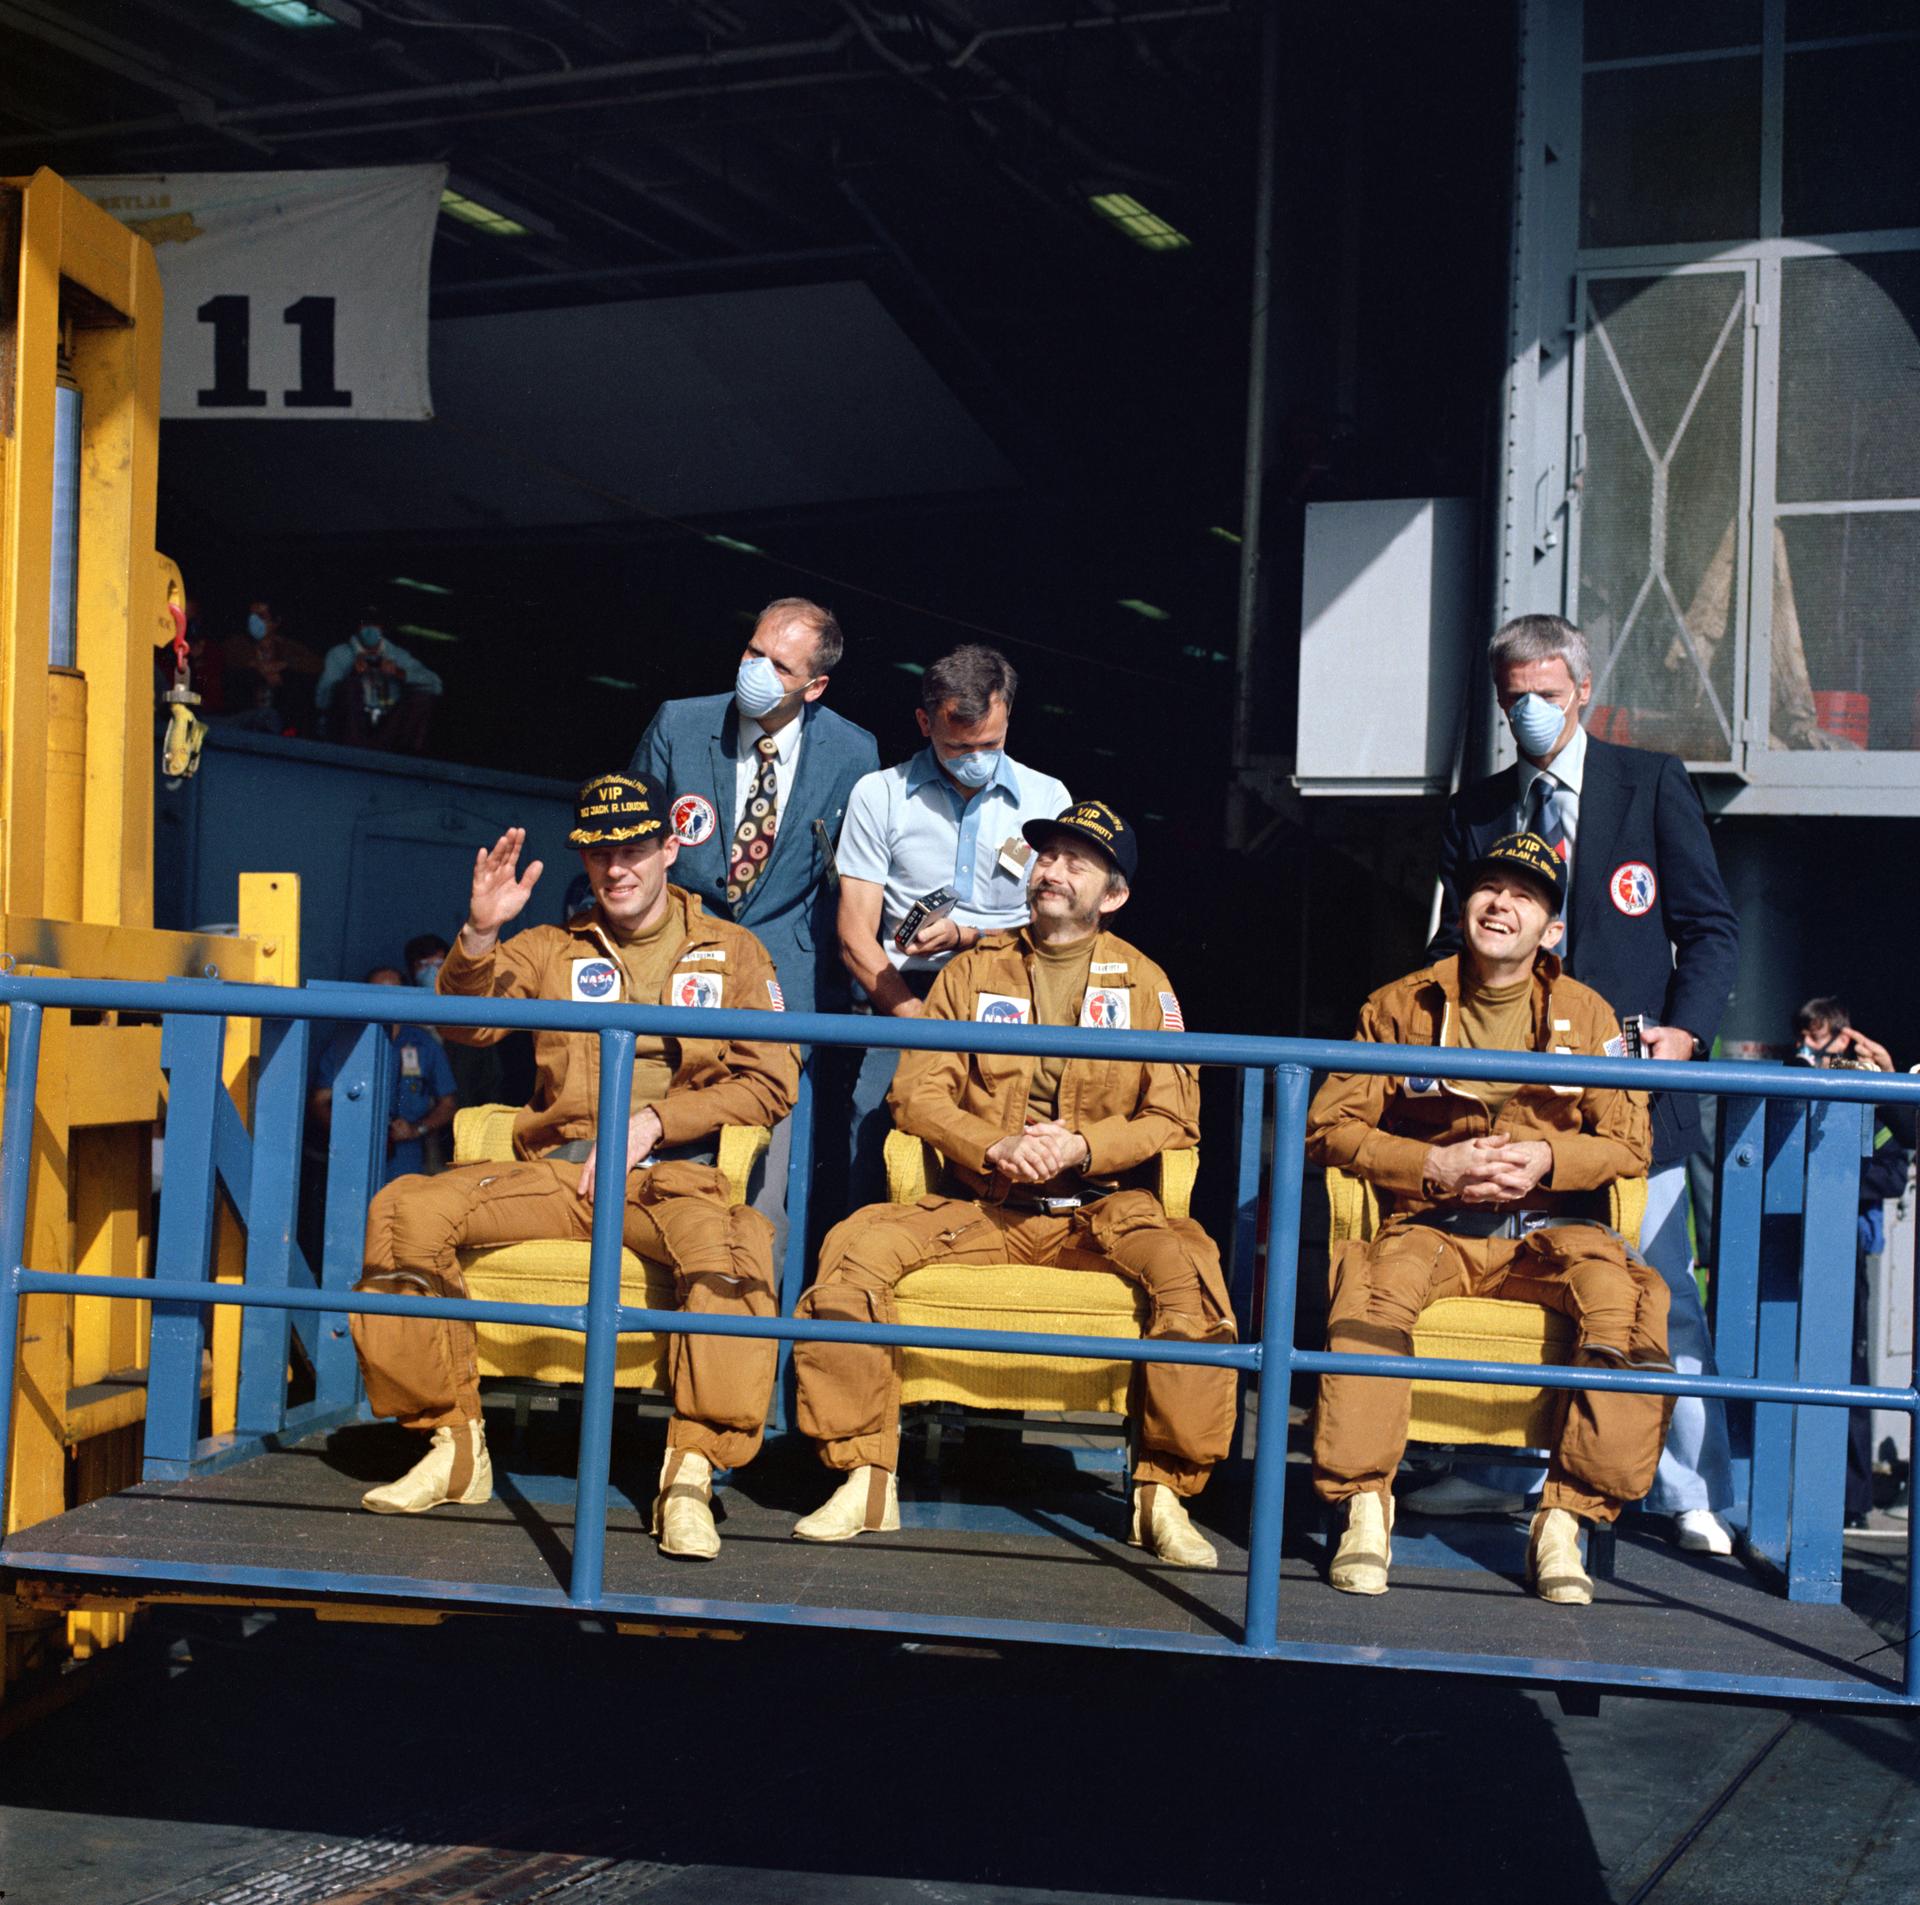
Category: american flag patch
[776,995]
[1170,1019]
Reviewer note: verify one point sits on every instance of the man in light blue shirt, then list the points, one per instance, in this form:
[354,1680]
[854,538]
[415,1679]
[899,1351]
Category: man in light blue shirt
[950,817]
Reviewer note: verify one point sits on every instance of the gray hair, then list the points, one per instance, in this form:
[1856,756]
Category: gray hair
[1540,638]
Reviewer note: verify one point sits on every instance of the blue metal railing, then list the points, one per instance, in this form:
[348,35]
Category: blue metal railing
[286,1288]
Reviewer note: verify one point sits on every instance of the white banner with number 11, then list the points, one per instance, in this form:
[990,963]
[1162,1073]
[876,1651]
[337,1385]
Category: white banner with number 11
[290,295]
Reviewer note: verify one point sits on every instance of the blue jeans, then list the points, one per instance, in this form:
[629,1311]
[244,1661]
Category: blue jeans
[1696,1468]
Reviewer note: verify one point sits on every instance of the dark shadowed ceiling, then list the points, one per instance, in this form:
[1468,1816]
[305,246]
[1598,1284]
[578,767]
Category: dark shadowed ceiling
[894,355]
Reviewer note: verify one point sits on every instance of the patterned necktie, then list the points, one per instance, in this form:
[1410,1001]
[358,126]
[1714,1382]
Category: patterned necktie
[753,839]
[1544,818]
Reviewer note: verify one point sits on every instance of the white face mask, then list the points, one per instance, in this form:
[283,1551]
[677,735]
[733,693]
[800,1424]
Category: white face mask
[757,686]
[1536,723]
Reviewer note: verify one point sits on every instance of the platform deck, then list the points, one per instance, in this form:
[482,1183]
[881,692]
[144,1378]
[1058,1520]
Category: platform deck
[1046,1545]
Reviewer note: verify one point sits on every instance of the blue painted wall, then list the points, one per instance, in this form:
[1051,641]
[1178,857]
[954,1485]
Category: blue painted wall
[383,846]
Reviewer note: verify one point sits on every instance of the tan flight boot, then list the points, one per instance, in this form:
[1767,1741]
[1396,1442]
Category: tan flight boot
[1553,1559]
[455,1468]
[1365,1553]
[868,1500]
[1161,1526]
[683,1509]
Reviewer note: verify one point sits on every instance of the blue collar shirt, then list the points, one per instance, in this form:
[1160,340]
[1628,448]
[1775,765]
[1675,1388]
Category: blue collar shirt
[909,830]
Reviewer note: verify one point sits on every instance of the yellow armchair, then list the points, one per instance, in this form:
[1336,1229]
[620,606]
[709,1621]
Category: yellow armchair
[557,1271]
[1480,1329]
[1021,1296]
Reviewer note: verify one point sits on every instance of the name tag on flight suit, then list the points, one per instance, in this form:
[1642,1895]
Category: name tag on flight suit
[594,980]
[409,1060]
[694,988]
[1109,1007]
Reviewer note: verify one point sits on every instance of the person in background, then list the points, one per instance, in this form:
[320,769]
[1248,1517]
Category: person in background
[422,1097]
[1650,928]
[1824,1036]
[950,818]
[755,782]
[269,675]
[372,693]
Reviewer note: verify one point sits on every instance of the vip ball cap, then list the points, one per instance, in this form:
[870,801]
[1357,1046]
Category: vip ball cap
[1092,820]
[611,808]
[1530,856]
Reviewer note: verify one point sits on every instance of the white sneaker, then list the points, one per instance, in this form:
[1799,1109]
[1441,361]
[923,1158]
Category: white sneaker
[1162,1526]
[455,1468]
[867,1501]
[1456,1495]
[1554,1571]
[1701,1531]
[683,1509]
[1365,1553]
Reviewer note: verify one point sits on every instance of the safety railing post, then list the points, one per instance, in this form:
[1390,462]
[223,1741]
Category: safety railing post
[1912,1661]
[279,1117]
[1735,1256]
[603,1318]
[1243,1245]
[1827,1252]
[793,1266]
[16,1173]
[356,1159]
[1290,1084]
[190,1051]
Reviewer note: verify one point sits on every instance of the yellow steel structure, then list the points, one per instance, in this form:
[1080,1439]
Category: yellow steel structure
[80,311]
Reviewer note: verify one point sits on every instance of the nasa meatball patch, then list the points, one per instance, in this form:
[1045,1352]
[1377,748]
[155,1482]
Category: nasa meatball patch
[1001,1008]
[1633,888]
[693,819]
[594,980]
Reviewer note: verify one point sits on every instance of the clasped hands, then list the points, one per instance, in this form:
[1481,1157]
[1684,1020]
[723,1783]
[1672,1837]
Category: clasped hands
[643,1133]
[1040,1153]
[1487,1170]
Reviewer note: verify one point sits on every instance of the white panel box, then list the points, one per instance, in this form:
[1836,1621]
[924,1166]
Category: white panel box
[1388,630]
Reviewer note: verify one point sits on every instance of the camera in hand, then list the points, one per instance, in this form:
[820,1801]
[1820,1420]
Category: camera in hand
[937,905]
[1633,1035]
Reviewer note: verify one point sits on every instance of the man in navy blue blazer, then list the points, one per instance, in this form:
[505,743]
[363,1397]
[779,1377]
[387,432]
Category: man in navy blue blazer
[756,785]
[756,782]
[1649,927]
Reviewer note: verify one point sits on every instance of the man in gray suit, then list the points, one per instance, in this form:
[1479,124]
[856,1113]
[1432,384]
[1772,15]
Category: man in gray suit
[756,784]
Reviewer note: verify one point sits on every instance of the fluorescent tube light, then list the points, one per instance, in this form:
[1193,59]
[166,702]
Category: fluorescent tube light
[1149,232]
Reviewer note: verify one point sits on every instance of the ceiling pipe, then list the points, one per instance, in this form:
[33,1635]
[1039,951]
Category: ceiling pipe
[727,59]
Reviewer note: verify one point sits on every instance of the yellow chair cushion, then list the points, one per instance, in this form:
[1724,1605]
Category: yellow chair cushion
[558,1272]
[1481,1329]
[1011,1296]
[1024,1296]
[1484,1329]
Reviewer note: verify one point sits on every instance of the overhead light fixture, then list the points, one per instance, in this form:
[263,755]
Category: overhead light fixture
[297,13]
[1148,231]
[738,547]
[1225,535]
[1145,610]
[425,634]
[414,582]
[614,681]
[469,211]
